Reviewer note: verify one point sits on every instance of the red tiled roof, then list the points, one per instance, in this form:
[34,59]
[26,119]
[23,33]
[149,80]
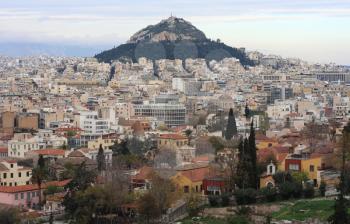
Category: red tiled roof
[196,175]
[3,150]
[53,152]
[144,173]
[201,159]
[172,136]
[32,187]
[76,153]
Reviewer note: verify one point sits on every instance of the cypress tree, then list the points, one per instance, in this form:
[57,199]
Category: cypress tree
[101,162]
[252,154]
[240,166]
[41,162]
[231,128]
[247,111]
[340,214]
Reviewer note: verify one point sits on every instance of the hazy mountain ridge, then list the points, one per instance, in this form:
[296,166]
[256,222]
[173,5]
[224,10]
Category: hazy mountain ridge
[18,49]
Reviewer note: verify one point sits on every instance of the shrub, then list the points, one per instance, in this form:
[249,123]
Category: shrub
[286,190]
[225,200]
[297,189]
[322,189]
[213,200]
[269,194]
[245,196]
[309,191]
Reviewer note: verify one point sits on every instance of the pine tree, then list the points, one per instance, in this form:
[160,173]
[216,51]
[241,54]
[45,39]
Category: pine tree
[252,154]
[231,128]
[101,162]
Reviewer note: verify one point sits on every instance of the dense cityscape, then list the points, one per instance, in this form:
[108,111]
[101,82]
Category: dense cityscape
[173,127]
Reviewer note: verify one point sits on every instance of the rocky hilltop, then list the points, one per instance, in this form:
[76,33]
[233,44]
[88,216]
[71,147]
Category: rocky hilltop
[172,38]
[171,29]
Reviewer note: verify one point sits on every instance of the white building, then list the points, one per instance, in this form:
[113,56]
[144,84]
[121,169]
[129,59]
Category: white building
[90,122]
[18,148]
[280,109]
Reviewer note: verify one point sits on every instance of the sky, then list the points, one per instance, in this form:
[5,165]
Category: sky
[314,30]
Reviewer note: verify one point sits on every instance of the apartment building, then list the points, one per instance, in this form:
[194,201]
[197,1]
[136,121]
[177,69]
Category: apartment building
[11,174]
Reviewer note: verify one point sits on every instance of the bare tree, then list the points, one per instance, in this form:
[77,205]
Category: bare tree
[315,133]
[165,158]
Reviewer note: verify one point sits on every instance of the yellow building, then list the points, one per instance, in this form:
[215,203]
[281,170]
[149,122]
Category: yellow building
[105,142]
[264,142]
[311,166]
[172,140]
[190,178]
[306,163]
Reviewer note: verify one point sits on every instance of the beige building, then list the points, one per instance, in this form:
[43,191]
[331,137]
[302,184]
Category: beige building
[28,121]
[172,140]
[8,122]
[11,174]
[105,142]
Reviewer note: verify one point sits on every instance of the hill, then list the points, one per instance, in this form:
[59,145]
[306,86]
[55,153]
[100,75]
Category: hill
[173,38]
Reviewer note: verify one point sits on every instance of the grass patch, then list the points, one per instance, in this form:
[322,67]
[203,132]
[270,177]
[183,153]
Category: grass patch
[204,220]
[304,209]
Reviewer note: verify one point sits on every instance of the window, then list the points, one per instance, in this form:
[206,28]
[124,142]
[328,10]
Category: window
[28,195]
[10,184]
[22,195]
[5,175]
[16,196]
[11,165]
[19,174]
[33,194]
[186,189]
[294,167]
[312,168]
[27,182]
[196,188]
[11,174]
[27,173]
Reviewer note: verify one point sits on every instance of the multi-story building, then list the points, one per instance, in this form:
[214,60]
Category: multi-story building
[170,114]
[343,77]
[279,93]
[18,147]
[91,123]
[11,174]
[124,110]
[172,140]
[8,122]
[28,121]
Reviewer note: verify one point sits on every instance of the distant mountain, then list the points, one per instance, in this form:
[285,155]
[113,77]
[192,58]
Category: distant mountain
[31,49]
[173,38]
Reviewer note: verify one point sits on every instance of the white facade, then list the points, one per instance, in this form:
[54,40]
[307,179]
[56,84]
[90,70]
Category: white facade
[279,110]
[92,124]
[18,148]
